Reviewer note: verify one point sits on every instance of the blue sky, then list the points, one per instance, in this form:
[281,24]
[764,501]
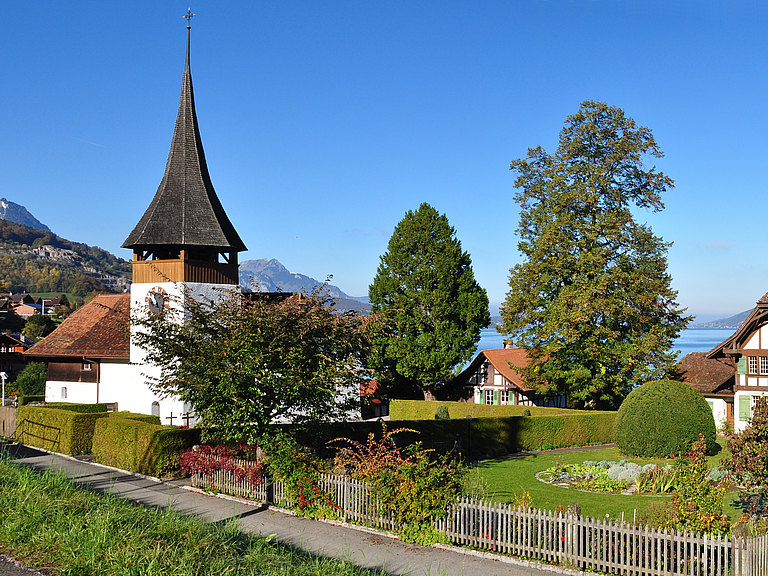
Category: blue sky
[324,122]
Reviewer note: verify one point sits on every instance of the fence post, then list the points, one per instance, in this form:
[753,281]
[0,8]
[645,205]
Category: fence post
[739,543]
[572,530]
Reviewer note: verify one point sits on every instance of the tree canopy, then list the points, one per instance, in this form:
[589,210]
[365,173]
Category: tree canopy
[592,300]
[31,380]
[432,305]
[243,361]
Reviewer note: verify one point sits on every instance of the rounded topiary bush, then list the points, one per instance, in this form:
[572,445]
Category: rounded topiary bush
[442,413]
[663,418]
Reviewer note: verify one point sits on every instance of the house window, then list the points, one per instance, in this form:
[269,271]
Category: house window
[86,366]
[489,396]
[63,392]
[753,364]
[763,364]
[504,397]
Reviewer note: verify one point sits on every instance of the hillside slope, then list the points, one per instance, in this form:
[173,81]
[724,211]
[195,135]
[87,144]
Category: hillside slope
[39,261]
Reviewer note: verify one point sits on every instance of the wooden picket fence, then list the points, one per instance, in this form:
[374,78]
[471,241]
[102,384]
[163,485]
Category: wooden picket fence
[563,538]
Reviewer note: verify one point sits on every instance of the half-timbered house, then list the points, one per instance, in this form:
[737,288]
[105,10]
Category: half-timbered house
[747,351]
[493,377]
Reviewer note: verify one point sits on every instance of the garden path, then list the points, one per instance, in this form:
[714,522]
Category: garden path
[367,549]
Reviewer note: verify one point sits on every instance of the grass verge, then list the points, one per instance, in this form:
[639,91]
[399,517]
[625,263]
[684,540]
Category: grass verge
[507,479]
[50,523]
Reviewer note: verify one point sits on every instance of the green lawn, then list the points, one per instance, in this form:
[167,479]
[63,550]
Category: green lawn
[508,477]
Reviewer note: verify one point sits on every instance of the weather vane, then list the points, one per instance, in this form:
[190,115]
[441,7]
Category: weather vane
[189,15]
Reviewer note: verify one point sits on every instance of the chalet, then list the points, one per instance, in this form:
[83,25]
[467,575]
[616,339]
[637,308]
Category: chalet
[493,377]
[747,351]
[715,379]
[12,347]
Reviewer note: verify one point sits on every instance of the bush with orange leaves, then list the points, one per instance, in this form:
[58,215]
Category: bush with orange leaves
[411,482]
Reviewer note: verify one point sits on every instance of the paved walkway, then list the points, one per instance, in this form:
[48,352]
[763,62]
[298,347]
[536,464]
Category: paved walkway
[371,550]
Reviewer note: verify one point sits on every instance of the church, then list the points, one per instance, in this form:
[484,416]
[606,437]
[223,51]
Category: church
[183,245]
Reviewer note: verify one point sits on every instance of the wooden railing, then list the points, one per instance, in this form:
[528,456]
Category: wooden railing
[567,538]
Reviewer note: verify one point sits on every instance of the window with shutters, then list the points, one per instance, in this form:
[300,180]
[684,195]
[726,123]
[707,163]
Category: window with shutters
[763,364]
[504,397]
[753,364]
[744,408]
[489,396]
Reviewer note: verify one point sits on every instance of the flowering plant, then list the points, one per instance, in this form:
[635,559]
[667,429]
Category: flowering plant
[206,460]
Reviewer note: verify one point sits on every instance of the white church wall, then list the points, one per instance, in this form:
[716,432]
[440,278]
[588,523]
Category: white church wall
[72,392]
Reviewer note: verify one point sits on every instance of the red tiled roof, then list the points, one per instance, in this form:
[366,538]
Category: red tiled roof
[707,375]
[504,360]
[500,359]
[99,329]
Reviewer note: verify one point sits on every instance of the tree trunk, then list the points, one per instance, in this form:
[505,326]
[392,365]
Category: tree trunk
[429,395]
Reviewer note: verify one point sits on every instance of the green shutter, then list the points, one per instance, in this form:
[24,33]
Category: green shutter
[495,396]
[742,366]
[744,408]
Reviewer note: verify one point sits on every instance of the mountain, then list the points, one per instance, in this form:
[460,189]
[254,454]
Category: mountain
[37,260]
[732,322]
[265,275]
[13,212]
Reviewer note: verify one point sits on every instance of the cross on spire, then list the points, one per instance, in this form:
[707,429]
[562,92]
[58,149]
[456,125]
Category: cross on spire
[189,15]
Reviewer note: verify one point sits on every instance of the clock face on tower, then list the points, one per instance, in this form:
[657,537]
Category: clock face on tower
[156,299]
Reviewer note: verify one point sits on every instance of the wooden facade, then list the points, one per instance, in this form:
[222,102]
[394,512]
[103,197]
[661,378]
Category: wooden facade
[74,370]
[177,270]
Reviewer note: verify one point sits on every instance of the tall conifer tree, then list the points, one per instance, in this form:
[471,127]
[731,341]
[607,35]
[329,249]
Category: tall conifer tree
[426,291]
[592,300]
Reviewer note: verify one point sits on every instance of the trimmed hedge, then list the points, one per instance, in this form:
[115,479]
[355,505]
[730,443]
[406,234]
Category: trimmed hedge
[426,409]
[31,399]
[662,419]
[83,408]
[129,443]
[478,438]
[56,429]
[136,416]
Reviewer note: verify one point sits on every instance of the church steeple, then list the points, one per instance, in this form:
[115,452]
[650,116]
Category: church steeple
[185,220]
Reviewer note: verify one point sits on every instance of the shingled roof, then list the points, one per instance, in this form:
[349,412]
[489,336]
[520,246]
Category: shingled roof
[707,375]
[99,329]
[185,210]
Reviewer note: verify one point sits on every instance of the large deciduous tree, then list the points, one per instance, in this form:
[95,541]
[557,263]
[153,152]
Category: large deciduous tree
[243,361]
[426,293]
[592,301]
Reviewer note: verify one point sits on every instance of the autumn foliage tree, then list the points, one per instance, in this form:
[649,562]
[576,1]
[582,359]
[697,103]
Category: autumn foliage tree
[426,293]
[748,461]
[592,300]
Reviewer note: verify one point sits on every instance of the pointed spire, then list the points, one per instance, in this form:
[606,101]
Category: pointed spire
[185,210]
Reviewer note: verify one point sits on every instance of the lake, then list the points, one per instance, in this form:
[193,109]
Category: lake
[691,340]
